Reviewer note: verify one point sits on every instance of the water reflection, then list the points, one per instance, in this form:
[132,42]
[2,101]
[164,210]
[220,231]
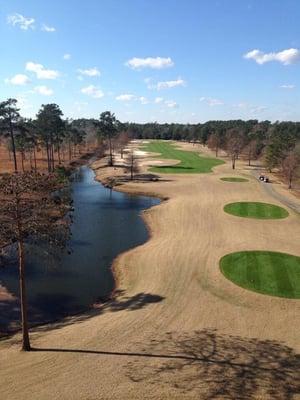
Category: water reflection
[105,224]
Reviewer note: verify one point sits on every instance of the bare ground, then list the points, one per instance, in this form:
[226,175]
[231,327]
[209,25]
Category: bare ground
[179,329]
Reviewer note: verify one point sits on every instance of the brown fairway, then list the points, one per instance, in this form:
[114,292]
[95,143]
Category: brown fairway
[206,339]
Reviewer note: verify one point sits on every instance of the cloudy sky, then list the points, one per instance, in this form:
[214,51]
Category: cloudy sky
[153,60]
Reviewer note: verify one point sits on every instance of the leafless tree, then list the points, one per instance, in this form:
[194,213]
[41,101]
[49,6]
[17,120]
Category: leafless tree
[31,209]
[214,142]
[251,150]
[131,164]
[121,142]
[234,144]
[290,166]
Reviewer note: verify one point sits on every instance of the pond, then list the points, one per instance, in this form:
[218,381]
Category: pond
[105,224]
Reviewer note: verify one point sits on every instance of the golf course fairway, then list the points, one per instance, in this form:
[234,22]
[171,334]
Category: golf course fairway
[190,161]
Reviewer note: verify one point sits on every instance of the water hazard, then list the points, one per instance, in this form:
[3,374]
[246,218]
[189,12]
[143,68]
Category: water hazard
[106,223]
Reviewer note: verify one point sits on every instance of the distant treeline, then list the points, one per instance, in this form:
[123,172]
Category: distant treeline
[277,143]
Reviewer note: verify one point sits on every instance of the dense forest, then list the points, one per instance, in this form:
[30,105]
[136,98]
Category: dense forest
[60,139]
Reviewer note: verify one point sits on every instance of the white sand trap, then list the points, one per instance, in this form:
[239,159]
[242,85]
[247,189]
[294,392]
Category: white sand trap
[140,153]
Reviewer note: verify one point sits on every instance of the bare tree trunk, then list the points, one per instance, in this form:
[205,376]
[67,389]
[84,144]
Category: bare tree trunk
[70,151]
[233,162]
[34,156]
[25,333]
[22,160]
[110,152]
[23,298]
[58,153]
[30,159]
[48,157]
[13,145]
[52,158]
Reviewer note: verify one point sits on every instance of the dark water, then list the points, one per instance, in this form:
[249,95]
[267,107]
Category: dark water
[106,223]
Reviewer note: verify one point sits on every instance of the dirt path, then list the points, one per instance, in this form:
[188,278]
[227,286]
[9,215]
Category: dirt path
[179,329]
[285,198]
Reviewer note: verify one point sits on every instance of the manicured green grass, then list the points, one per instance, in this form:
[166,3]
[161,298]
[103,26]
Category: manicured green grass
[256,210]
[234,179]
[266,272]
[190,161]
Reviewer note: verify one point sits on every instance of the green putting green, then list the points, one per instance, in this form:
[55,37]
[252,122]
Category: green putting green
[190,161]
[234,179]
[266,272]
[256,210]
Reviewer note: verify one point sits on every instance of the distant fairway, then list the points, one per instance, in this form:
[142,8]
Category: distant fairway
[272,273]
[234,179]
[256,210]
[190,161]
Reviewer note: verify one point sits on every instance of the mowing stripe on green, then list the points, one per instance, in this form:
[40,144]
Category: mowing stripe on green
[266,272]
[258,210]
[191,162]
[234,179]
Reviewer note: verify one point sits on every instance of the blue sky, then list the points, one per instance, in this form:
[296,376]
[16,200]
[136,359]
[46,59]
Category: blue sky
[153,60]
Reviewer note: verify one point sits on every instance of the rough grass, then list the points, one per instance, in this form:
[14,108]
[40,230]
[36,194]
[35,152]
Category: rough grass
[266,272]
[190,161]
[234,179]
[256,210]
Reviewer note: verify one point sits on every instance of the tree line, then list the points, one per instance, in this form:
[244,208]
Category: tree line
[278,144]
[61,139]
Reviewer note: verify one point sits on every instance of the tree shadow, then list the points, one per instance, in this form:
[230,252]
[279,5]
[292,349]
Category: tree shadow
[208,365]
[119,301]
[175,167]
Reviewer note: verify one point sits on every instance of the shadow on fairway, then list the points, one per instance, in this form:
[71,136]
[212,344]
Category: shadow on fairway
[207,365]
[119,302]
[213,366]
[172,167]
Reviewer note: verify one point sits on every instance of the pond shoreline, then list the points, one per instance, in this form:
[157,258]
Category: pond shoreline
[6,296]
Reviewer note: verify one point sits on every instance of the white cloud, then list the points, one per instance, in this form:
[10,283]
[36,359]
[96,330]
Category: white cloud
[287,86]
[67,56]
[241,105]
[167,84]
[43,90]
[131,97]
[126,97]
[90,71]
[171,104]
[92,91]
[149,62]
[19,79]
[40,71]
[47,28]
[258,109]
[211,102]
[285,57]
[21,21]
[144,100]
[158,100]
